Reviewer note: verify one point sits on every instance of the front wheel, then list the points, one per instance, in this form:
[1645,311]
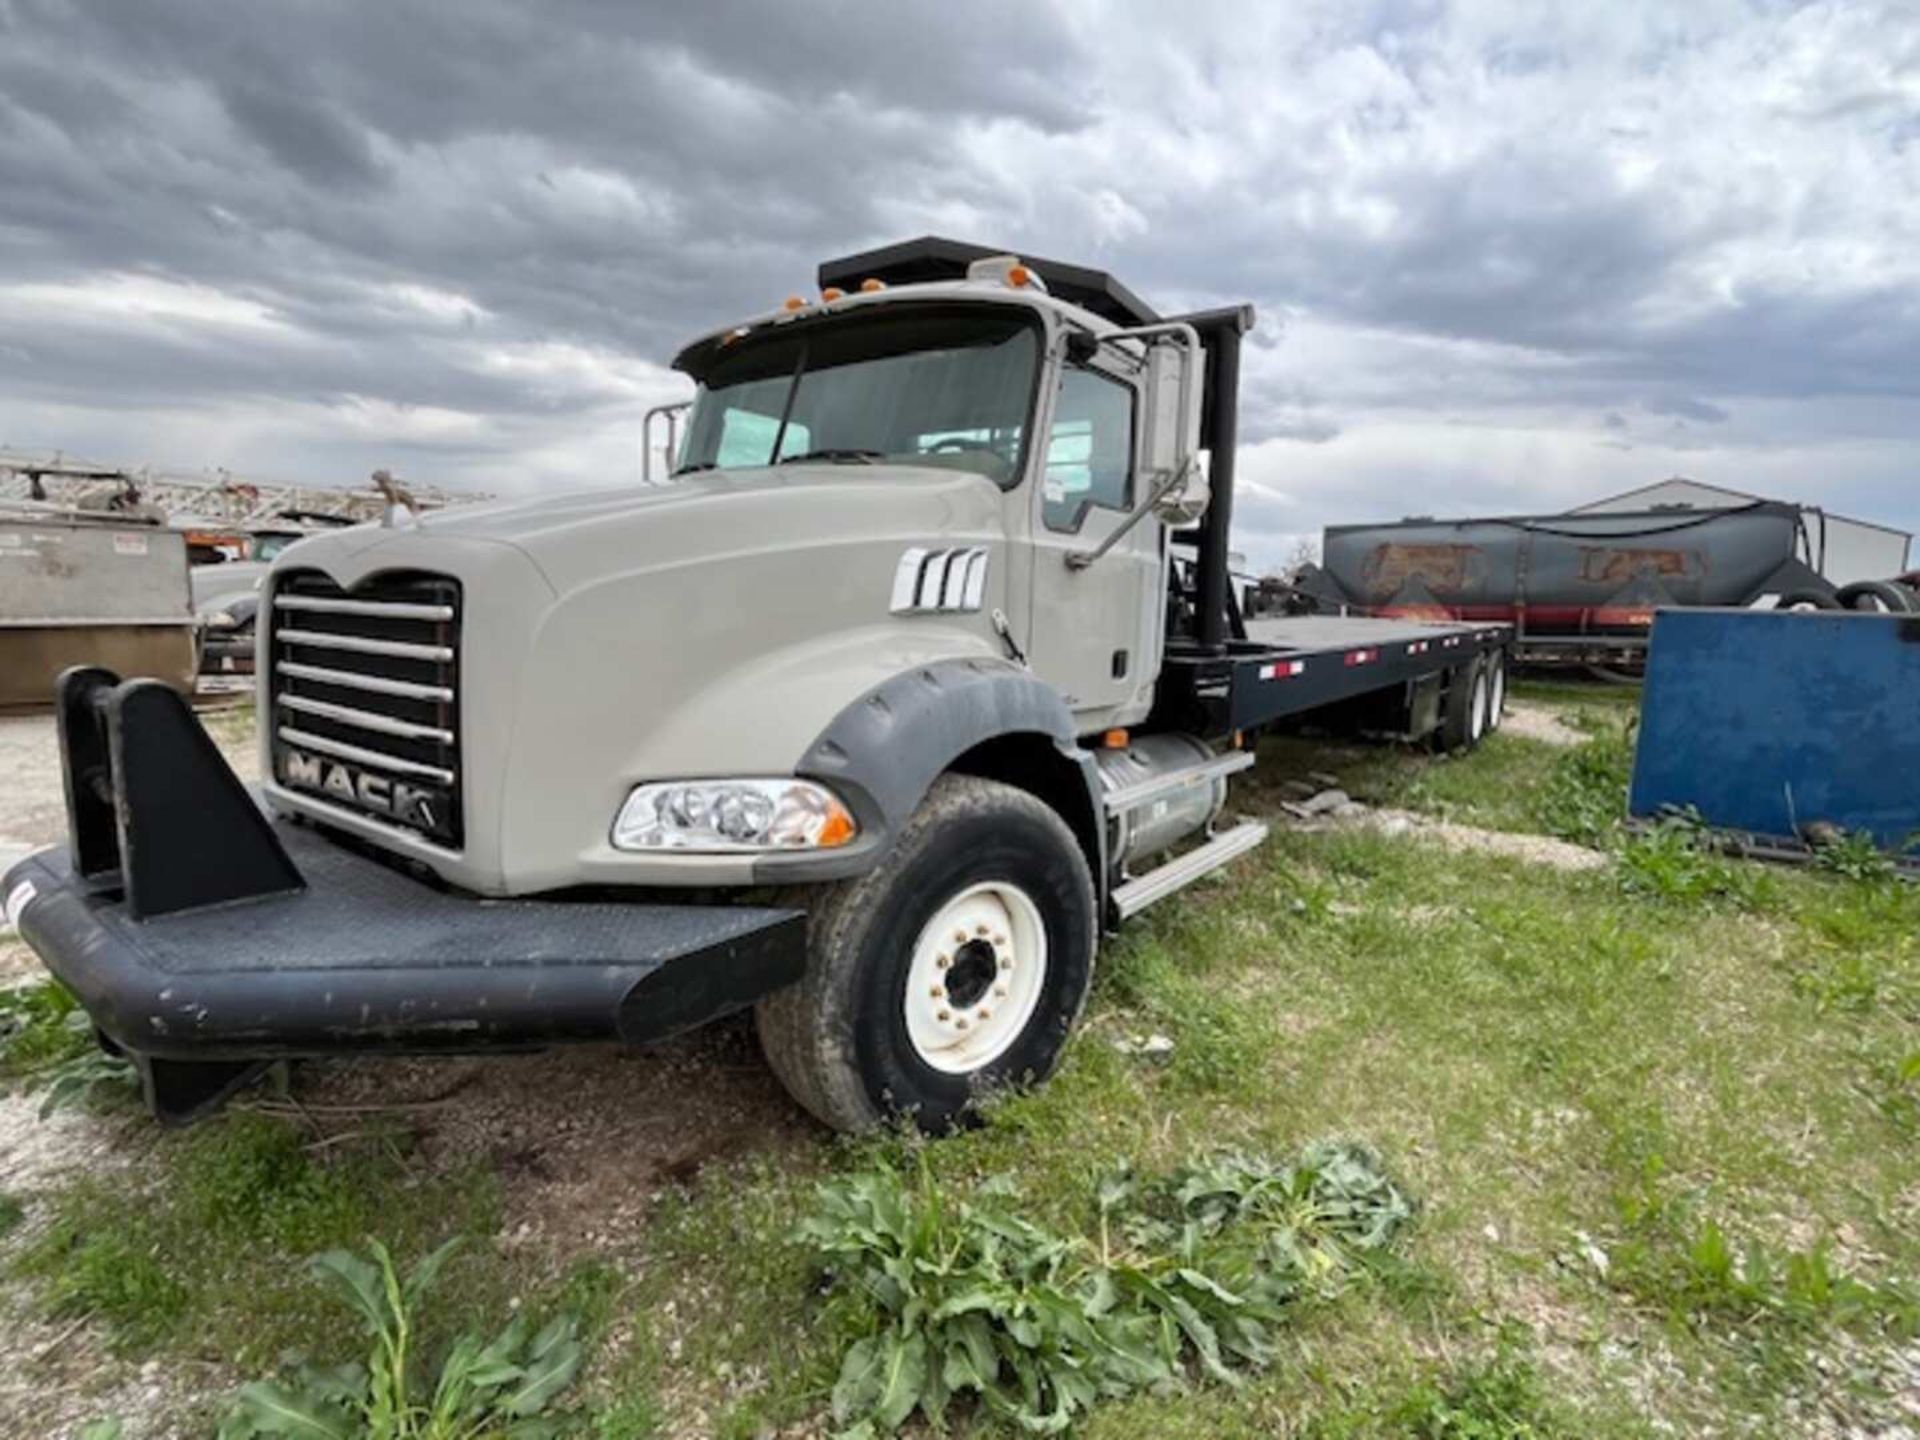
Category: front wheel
[957,966]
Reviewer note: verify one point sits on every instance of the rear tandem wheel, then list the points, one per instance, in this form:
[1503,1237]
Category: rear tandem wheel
[1464,720]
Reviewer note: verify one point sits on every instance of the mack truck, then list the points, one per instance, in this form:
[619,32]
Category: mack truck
[918,675]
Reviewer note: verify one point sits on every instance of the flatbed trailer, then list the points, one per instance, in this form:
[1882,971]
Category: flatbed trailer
[1295,667]
[876,718]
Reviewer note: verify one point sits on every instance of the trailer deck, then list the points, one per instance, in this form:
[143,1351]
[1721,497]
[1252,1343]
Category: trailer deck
[1287,666]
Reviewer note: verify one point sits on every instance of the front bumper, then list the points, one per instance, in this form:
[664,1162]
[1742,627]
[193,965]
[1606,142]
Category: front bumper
[202,983]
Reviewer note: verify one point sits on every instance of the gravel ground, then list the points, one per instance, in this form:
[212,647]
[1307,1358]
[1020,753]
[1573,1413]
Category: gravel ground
[1534,849]
[1537,722]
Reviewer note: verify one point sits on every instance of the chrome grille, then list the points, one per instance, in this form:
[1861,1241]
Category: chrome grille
[364,696]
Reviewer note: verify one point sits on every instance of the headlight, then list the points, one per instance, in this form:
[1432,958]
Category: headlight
[732,816]
[220,620]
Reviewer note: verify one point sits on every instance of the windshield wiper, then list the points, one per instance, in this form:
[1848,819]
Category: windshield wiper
[864,457]
[696,469]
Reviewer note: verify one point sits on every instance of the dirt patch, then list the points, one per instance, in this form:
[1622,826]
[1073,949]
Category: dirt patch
[38,1154]
[1533,849]
[1537,722]
[18,964]
[61,1376]
[582,1139]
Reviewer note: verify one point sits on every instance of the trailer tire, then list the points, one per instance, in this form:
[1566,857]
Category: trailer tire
[1496,690]
[857,1041]
[1464,720]
[1883,596]
[1807,600]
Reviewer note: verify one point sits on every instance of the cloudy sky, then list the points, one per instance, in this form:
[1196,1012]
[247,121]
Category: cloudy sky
[1507,255]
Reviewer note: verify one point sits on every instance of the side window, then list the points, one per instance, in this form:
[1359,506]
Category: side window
[1089,449]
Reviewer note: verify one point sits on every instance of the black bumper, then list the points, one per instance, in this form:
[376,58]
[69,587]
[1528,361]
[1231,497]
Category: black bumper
[201,988]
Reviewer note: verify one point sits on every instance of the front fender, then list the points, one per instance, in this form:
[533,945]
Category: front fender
[883,752]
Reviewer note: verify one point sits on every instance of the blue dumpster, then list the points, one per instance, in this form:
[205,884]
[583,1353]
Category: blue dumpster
[1771,722]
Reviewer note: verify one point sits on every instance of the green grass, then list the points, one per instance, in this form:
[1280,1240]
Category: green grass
[1662,1119]
[1573,693]
[231,724]
[209,1259]
[1509,783]
[40,1028]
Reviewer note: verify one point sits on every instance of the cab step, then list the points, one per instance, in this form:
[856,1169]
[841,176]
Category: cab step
[1134,895]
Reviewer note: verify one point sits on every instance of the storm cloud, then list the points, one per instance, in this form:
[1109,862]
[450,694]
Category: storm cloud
[1506,256]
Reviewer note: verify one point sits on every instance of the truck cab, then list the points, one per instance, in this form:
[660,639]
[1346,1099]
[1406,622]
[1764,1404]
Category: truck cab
[874,714]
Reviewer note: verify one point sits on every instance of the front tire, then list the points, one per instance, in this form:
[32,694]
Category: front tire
[956,967]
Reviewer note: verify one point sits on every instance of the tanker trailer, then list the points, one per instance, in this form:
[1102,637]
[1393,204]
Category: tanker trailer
[1579,589]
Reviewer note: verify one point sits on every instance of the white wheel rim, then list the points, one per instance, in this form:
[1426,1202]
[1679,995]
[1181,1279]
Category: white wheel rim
[1497,701]
[986,947]
[1477,707]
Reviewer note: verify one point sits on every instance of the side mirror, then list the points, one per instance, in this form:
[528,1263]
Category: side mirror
[1172,450]
[1176,486]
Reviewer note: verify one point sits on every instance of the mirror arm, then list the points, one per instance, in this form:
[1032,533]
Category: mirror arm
[1081,559]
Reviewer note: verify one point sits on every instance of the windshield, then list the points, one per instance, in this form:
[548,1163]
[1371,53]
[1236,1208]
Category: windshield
[945,387]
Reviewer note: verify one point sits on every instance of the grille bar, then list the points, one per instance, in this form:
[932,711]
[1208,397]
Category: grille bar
[363,645]
[368,719]
[391,609]
[364,688]
[378,684]
[345,751]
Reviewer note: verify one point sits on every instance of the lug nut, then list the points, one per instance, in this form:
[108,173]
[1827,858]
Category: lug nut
[946,1015]
[961,1022]
[943,961]
[999,939]
[1006,962]
[980,930]
[1000,992]
[959,937]
[985,1014]
[938,992]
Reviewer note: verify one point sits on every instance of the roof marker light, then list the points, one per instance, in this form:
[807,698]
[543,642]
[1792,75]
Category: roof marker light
[793,302]
[831,294]
[1008,270]
[869,285]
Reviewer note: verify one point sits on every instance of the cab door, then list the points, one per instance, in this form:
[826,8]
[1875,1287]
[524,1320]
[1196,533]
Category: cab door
[1094,632]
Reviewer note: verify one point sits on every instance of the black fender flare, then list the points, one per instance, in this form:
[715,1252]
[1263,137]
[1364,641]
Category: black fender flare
[884,751]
